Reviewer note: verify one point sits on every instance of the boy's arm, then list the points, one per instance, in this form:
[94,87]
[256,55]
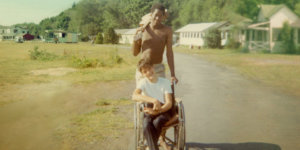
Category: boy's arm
[137,96]
[167,106]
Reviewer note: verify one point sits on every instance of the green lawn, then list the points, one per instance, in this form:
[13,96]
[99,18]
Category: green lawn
[277,70]
[73,87]
[16,65]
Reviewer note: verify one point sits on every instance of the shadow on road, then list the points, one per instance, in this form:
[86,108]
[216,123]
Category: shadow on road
[229,146]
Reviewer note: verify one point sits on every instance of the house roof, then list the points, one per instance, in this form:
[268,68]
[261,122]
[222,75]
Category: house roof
[197,27]
[269,10]
[238,20]
[131,31]
[8,34]
[121,31]
[4,27]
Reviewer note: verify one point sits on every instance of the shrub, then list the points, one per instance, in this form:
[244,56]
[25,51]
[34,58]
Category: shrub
[84,38]
[99,38]
[115,57]
[84,62]
[286,34]
[231,43]
[110,36]
[35,54]
[212,39]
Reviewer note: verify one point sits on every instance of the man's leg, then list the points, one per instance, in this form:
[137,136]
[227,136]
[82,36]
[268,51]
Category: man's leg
[150,133]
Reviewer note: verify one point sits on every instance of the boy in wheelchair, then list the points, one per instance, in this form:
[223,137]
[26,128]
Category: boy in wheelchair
[156,93]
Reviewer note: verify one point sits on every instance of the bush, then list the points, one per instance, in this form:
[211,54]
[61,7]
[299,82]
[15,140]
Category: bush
[110,36]
[84,38]
[212,39]
[231,43]
[245,49]
[99,38]
[35,54]
[83,62]
[286,34]
[115,57]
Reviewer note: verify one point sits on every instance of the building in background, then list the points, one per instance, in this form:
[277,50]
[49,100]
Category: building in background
[11,32]
[265,34]
[60,36]
[126,35]
[194,34]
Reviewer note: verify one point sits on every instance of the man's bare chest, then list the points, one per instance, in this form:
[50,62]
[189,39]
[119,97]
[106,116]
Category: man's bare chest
[158,34]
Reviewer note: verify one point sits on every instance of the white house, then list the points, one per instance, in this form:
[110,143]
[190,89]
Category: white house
[10,33]
[265,33]
[193,34]
[126,35]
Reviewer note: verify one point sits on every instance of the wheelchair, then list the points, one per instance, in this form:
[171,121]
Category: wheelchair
[177,123]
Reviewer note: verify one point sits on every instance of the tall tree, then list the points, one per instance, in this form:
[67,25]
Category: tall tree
[63,21]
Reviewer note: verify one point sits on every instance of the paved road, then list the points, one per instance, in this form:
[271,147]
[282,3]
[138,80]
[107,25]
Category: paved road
[227,111]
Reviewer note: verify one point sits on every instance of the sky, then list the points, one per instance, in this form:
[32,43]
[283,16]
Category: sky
[20,11]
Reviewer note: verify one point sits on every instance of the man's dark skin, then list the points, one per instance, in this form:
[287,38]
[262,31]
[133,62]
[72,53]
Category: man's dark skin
[155,38]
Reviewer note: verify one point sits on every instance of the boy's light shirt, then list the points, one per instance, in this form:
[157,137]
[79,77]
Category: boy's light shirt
[156,90]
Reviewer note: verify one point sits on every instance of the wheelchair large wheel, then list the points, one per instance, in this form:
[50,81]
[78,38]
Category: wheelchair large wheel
[178,139]
[138,128]
[181,128]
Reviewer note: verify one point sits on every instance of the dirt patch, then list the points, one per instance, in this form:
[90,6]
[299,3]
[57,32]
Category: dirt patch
[53,71]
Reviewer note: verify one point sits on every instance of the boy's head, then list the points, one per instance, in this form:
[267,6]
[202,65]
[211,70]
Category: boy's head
[146,69]
[158,13]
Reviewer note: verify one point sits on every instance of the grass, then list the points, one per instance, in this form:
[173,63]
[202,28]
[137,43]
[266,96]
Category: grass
[107,122]
[277,70]
[110,118]
[16,64]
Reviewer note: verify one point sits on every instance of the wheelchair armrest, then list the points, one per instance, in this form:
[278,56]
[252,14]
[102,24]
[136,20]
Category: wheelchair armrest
[140,106]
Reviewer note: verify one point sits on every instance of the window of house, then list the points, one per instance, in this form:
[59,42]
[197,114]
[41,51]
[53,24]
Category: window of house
[63,35]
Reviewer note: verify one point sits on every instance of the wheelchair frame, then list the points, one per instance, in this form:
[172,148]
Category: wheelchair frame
[178,124]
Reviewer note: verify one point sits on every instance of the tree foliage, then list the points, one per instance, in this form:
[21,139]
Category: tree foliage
[212,39]
[286,34]
[99,38]
[110,36]
[89,17]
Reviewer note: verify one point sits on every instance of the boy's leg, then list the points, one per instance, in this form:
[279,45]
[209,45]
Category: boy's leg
[159,122]
[150,133]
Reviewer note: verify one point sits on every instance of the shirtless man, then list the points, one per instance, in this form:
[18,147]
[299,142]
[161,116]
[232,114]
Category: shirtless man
[155,37]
